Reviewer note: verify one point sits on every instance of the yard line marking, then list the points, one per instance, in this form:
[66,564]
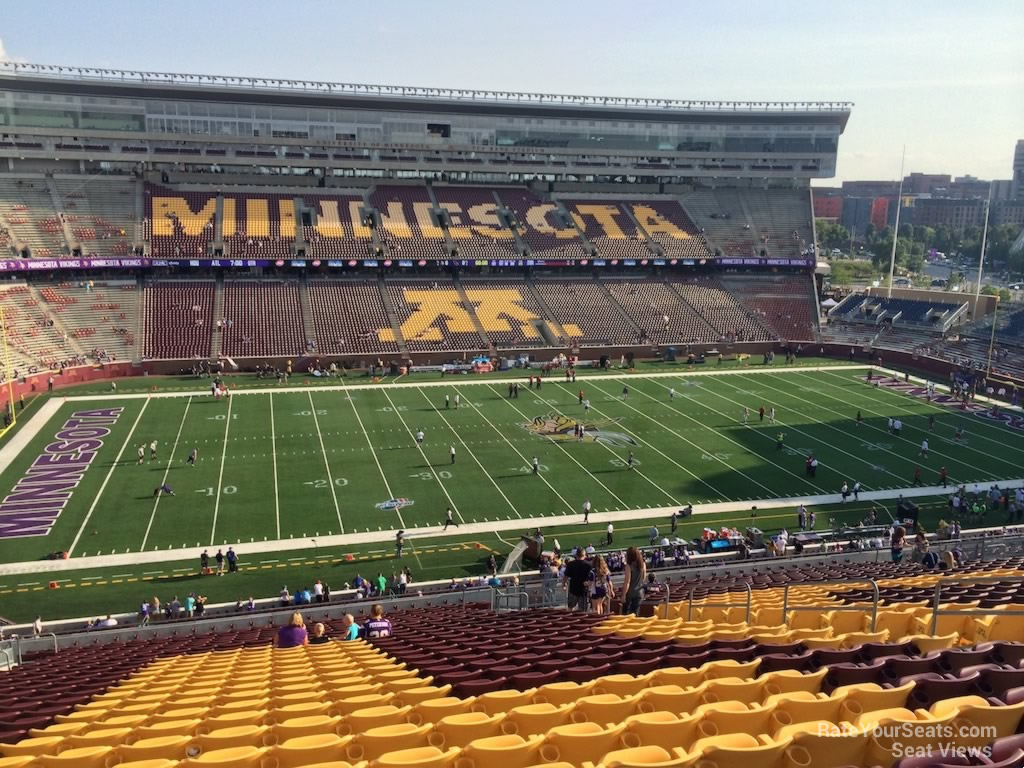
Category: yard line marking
[563,449]
[327,464]
[369,443]
[525,460]
[103,486]
[220,477]
[273,456]
[666,494]
[929,435]
[684,439]
[817,421]
[430,466]
[1001,443]
[170,460]
[748,426]
[470,452]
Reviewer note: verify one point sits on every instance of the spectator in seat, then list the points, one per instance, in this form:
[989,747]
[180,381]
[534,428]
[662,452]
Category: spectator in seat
[294,633]
[319,635]
[349,628]
[377,626]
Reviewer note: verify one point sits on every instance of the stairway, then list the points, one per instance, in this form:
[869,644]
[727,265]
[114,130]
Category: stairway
[217,337]
[58,205]
[218,228]
[139,237]
[140,320]
[549,317]
[300,236]
[54,314]
[308,328]
[507,214]
[682,300]
[449,244]
[587,245]
[651,244]
[389,308]
[471,311]
[621,310]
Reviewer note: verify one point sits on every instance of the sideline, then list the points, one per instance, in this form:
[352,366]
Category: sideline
[524,525]
[13,447]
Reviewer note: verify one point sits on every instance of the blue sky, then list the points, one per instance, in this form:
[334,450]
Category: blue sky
[944,78]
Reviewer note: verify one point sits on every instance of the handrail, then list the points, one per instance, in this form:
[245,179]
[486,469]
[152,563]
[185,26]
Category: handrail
[7,658]
[876,598]
[950,580]
[689,608]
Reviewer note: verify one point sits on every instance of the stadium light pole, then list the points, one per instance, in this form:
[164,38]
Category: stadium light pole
[896,228]
[981,256]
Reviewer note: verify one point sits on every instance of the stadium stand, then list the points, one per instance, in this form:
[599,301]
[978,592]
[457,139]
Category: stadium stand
[100,316]
[657,309]
[670,226]
[179,223]
[782,220]
[876,310]
[178,318]
[721,310]
[783,303]
[347,317]
[432,315]
[27,207]
[608,227]
[34,340]
[475,227]
[803,680]
[586,306]
[509,313]
[261,317]
[541,225]
[101,214]
[719,216]
[259,225]
[337,230]
[407,227]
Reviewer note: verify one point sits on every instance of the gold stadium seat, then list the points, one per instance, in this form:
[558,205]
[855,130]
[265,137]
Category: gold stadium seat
[947,623]
[806,633]
[740,750]
[671,698]
[309,725]
[226,738]
[928,643]
[532,719]
[502,701]
[23,761]
[155,763]
[729,668]
[388,738]
[424,757]
[354,704]
[789,680]
[243,717]
[99,737]
[374,717]
[645,757]
[803,706]
[502,752]
[173,747]
[733,689]
[432,710]
[40,745]
[414,696]
[168,728]
[860,698]
[681,676]
[564,693]
[823,744]
[998,627]
[180,713]
[988,722]
[724,717]
[896,622]
[59,729]
[308,750]
[606,708]
[234,757]
[78,757]
[623,685]
[460,730]
[581,742]
[661,729]
[888,744]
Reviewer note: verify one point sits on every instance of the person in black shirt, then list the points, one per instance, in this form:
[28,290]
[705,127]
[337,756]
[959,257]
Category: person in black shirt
[577,575]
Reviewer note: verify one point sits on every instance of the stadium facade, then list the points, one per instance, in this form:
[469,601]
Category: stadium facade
[226,195]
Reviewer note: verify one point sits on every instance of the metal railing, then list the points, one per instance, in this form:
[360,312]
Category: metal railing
[830,607]
[937,599]
[512,599]
[7,658]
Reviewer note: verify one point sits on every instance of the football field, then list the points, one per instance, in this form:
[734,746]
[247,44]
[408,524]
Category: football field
[300,463]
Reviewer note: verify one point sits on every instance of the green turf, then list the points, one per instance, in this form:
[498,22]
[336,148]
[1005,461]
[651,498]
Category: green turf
[281,465]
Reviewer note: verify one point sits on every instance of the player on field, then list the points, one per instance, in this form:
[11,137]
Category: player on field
[586,406]
[451,452]
[152,451]
[419,437]
[959,435]
[629,460]
[586,511]
[760,413]
[536,465]
[924,448]
[860,418]
[746,415]
[142,453]
[581,397]
[447,402]
[856,490]
[165,489]
[458,400]
[780,441]
[931,422]
[771,416]
[671,393]
[625,393]
[192,457]
[449,520]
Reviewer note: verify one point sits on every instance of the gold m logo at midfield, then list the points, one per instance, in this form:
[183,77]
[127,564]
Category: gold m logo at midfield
[497,309]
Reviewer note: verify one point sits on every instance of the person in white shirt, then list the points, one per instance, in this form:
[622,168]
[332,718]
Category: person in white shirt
[897,427]
[37,626]
[586,511]
[924,448]
[671,393]
[318,591]
[856,491]
[419,437]
[611,530]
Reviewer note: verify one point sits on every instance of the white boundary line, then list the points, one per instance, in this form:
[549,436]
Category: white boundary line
[273,456]
[35,424]
[327,465]
[220,477]
[373,452]
[483,529]
[170,460]
[470,380]
[470,452]
[106,480]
